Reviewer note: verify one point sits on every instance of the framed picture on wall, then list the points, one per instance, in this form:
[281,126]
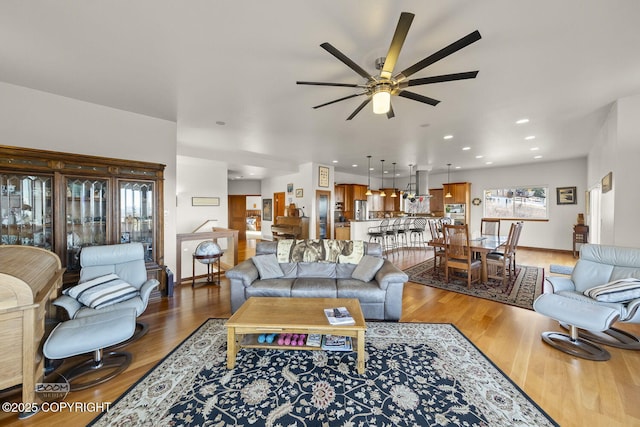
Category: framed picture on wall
[299,192]
[289,188]
[566,195]
[607,182]
[323,176]
[267,209]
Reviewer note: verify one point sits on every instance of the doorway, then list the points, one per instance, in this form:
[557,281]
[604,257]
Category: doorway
[278,205]
[237,215]
[323,217]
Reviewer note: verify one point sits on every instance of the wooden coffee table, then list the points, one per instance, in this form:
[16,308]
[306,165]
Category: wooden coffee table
[262,315]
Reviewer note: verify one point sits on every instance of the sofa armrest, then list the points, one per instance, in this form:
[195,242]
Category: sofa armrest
[389,273]
[246,272]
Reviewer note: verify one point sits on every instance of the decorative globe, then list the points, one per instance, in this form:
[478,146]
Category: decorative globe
[208,248]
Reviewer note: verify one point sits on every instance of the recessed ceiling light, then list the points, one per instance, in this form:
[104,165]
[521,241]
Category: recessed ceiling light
[488,163]
[479,156]
[354,166]
[448,136]
[334,161]
[466,148]
[371,169]
[522,121]
[534,148]
[457,167]
[529,138]
[537,157]
[385,171]
[251,173]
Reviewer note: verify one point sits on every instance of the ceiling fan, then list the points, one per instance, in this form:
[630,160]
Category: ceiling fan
[380,88]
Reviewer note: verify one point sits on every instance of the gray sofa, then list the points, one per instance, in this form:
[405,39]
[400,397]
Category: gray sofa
[329,277]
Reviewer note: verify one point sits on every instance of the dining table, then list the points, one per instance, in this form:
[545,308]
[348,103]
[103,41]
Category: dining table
[481,245]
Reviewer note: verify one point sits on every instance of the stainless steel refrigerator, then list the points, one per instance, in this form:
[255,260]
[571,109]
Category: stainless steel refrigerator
[360,210]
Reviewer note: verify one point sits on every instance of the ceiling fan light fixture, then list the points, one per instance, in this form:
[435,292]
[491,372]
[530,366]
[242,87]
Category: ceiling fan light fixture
[381,99]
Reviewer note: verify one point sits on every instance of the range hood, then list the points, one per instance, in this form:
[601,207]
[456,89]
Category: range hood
[422,183]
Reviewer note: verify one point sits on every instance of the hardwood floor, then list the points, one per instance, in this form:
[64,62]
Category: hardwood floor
[573,391]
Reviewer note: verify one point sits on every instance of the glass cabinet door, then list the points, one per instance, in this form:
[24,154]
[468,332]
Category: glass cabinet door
[137,206]
[86,216]
[25,210]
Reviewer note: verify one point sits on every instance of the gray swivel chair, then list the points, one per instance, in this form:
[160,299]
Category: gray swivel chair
[590,303]
[127,262]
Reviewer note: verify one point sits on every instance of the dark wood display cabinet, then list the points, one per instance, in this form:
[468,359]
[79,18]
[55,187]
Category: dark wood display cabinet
[63,202]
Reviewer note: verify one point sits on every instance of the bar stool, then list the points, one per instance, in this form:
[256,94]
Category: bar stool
[208,253]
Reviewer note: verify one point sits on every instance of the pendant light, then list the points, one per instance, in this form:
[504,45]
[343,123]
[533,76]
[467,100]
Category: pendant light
[393,194]
[382,193]
[368,193]
[448,195]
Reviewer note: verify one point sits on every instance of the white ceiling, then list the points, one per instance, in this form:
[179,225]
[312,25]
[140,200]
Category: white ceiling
[201,62]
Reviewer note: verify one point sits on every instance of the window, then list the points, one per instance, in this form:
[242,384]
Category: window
[517,203]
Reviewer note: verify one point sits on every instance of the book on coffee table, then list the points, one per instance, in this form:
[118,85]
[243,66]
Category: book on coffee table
[339,316]
[336,343]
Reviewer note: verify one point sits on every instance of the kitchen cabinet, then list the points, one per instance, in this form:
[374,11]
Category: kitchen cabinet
[436,204]
[359,192]
[338,193]
[342,233]
[460,191]
[391,204]
[461,194]
[63,202]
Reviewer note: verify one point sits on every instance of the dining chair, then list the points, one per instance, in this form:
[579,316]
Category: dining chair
[458,254]
[490,226]
[499,263]
[437,243]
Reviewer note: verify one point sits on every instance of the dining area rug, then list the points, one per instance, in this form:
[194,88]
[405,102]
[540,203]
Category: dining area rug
[416,374]
[520,290]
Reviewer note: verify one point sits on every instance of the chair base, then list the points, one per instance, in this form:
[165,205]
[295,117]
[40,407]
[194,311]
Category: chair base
[575,346]
[612,337]
[112,363]
[141,330]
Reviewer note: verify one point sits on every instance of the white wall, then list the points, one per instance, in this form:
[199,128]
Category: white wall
[254,202]
[35,119]
[557,232]
[201,178]
[307,179]
[244,186]
[618,151]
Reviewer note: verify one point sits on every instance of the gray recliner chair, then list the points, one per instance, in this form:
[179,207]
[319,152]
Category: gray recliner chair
[590,315]
[127,262]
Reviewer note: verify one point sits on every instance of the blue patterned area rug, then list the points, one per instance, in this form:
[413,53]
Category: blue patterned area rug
[416,374]
[520,290]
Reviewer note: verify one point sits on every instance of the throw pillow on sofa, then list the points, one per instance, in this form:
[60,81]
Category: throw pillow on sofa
[621,290]
[367,268]
[102,291]
[268,266]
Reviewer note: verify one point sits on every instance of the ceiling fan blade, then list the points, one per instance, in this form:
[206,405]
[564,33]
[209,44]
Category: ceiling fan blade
[338,100]
[418,97]
[360,107]
[329,84]
[442,53]
[390,113]
[443,78]
[404,23]
[348,62]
